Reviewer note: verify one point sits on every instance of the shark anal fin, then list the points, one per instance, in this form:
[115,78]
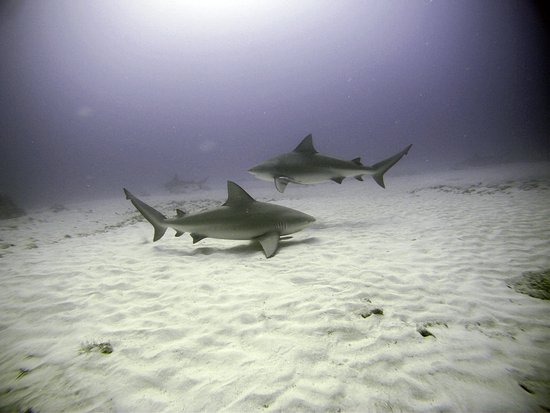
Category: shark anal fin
[197,237]
[281,182]
[179,233]
[269,242]
[358,177]
[338,179]
[180,213]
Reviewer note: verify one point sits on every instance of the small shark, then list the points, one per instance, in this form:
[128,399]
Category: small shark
[178,186]
[304,165]
[241,217]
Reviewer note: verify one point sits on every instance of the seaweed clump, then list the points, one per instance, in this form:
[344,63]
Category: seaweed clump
[8,208]
[534,284]
[103,348]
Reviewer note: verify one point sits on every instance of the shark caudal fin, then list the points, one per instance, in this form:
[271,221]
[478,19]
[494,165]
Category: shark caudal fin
[151,214]
[382,167]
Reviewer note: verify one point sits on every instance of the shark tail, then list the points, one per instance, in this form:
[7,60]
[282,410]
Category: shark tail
[382,167]
[156,219]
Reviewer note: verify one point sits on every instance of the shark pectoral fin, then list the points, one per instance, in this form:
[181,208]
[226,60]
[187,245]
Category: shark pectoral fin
[197,237]
[179,233]
[358,177]
[269,242]
[281,182]
[337,179]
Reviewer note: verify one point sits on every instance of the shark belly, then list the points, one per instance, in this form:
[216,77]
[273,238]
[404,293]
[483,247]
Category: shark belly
[318,175]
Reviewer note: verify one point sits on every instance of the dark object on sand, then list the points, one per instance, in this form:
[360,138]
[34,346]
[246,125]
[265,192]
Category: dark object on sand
[58,208]
[103,348]
[535,284]
[424,333]
[8,209]
[377,311]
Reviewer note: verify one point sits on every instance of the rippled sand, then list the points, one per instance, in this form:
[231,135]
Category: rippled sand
[394,300]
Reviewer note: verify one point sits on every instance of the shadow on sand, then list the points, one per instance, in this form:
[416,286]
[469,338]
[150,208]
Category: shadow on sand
[246,249]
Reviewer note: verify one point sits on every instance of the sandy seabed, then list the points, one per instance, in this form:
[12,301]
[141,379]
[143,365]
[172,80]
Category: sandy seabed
[394,300]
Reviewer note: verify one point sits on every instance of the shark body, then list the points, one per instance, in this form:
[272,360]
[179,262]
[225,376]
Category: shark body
[304,165]
[241,217]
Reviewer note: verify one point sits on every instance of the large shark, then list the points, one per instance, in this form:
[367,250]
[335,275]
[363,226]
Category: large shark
[304,165]
[241,217]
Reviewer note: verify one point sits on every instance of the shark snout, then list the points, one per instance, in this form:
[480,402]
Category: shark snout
[255,169]
[306,220]
[261,172]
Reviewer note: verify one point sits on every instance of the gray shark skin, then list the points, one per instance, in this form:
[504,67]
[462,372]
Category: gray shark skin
[304,165]
[241,217]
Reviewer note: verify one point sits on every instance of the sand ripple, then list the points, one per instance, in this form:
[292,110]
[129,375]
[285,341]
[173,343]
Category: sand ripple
[334,322]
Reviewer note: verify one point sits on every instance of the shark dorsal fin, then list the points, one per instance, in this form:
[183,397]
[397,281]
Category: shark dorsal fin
[236,196]
[306,146]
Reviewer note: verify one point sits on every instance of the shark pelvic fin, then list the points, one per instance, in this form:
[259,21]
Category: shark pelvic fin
[151,214]
[269,242]
[236,196]
[337,179]
[281,182]
[358,177]
[197,237]
[382,167]
[306,146]
[179,233]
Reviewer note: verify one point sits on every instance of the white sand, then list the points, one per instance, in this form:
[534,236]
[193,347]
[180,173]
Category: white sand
[218,327]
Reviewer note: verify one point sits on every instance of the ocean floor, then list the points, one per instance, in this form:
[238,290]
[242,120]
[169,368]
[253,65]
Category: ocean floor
[408,299]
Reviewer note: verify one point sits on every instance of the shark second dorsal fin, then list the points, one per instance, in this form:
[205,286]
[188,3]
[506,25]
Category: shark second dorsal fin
[306,146]
[236,196]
